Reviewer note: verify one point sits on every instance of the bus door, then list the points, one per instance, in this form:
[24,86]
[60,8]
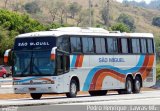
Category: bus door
[63,66]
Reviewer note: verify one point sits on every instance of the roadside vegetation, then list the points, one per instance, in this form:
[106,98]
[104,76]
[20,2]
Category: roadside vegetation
[21,16]
[14,23]
[158,71]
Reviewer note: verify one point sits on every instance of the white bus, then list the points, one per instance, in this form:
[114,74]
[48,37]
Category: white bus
[72,59]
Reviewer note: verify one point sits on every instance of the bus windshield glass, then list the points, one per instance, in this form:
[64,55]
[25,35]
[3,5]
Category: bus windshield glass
[33,63]
[32,56]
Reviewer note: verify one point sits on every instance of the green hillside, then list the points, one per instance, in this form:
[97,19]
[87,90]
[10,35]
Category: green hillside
[142,17]
[55,13]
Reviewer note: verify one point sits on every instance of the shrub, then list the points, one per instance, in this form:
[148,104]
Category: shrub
[32,7]
[127,20]
[156,21]
[120,27]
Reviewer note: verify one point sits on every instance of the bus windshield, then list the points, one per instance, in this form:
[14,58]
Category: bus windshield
[33,63]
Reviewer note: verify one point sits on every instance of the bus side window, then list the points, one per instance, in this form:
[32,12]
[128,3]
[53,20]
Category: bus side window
[124,46]
[88,46]
[150,46]
[143,46]
[112,45]
[100,45]
[63,44]
[135,46]
[76,46]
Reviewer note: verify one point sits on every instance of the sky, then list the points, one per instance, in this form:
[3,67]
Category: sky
[147,1]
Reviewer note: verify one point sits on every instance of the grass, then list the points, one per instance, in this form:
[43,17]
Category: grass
[158,71]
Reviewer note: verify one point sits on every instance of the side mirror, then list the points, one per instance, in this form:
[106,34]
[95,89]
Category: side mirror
[7,56]
[53,53]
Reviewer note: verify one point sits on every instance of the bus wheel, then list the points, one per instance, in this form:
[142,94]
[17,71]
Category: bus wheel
[137,85]
[36,95]
[73,89]
[129,86]
[93,93]
[121,91]
[103,92]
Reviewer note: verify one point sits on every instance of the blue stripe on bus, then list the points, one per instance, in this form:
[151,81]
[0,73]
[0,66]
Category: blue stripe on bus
[94,70]
[27,79]
[73,61]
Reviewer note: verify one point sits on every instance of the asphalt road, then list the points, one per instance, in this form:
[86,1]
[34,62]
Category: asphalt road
[61,103]
[6,85]
[83,102]
[144,98]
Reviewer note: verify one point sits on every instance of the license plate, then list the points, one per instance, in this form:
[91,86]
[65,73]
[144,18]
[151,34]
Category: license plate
[32,89]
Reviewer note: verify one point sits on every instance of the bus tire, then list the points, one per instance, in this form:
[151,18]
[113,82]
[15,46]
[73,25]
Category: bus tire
[129,85]
[137,85]
[36,95]
[121,91]
[73,89]
[98,93]
[93,93]
[102,92]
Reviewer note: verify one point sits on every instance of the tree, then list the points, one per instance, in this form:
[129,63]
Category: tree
[57,10]
[157,44]
[17,7]
[52,9]
[156,21]
[127,20]
[120,27]
[82,19]
[104,14]
[5,3]
[32,7]
[74,8]
[12,24]
[61,11]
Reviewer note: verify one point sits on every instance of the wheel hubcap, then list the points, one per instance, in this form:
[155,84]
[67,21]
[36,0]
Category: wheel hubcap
[137,85]
[73,88]
[129,86]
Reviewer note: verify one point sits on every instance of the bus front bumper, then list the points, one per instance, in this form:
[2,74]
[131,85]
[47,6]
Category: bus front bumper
[42,88]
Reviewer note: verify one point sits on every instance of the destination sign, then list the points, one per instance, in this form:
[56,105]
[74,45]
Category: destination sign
[35,43]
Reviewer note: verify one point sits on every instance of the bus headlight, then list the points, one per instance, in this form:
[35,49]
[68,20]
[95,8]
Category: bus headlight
[16,83]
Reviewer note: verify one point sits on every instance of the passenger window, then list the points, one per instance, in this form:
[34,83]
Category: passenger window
[150,46]
[76,44]
[112,45]
[124,45]
[100,45]
[135,46]
[143,46]
[87,44]
[63,44]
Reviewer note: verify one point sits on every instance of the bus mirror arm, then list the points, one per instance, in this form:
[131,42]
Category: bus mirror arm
[7,55]
[53,53]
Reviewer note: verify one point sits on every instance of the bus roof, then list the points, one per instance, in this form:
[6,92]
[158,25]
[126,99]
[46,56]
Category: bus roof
[83,31]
